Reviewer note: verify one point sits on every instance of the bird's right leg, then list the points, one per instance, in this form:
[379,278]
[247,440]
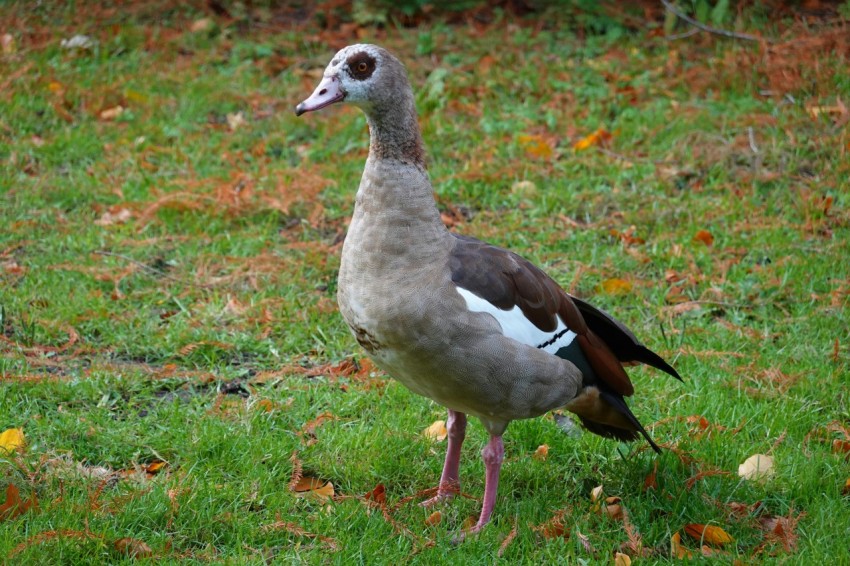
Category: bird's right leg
[450,479]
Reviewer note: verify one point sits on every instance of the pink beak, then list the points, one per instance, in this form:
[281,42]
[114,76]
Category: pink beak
[326,93]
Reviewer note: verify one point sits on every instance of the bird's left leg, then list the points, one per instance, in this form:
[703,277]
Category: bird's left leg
[450,478]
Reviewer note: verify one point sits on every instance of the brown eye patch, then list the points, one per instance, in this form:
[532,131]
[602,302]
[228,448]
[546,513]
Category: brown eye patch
[362,65]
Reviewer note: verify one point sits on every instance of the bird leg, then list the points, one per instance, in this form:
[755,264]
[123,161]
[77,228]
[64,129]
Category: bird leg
[450,479]
[492,454]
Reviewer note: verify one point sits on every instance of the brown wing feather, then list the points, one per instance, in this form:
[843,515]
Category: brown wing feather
[507,280]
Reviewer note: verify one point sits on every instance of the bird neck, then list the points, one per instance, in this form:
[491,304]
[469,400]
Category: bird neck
[394,132]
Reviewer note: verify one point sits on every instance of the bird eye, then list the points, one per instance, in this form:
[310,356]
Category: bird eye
[362,66]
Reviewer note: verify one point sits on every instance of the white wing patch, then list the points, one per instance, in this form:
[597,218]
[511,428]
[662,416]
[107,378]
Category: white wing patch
[515,325]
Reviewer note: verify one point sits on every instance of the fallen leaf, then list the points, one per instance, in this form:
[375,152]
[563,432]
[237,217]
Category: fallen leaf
[200,25]
[600,137]
[235,120]
[621,559]
[313,487]
[708,533]
[846,490]
[756,467]
[839,446]
[616,286]
[524,189]
[541,453]
[7,43]
[133,547]
[535,146]
[110,217]
[782,529]
[14,506]
[11,440]
[650,481]
[434,519]
[378,495]
[436,432]
[705,237]
[595,494]
[677,550]
[110,114]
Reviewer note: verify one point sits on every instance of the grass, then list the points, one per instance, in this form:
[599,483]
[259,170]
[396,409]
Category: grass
[167,287]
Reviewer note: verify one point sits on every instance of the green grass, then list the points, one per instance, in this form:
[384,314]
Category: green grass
[120,340]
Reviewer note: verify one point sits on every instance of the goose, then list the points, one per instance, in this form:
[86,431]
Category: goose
[474,327]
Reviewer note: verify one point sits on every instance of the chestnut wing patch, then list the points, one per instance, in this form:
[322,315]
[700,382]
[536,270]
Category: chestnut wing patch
[516,286]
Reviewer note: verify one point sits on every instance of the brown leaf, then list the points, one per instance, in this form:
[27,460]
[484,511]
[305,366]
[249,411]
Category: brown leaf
[621,559]
[839,446]
[705,237]
[133,547]
[846,490]
[595,494]
[650,482]
[708,533]
[378,495]
[314,487]
[14,506]
[434,519]
[782,529]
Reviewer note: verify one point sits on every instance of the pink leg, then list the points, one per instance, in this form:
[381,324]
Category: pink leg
[450,479]
[493,454]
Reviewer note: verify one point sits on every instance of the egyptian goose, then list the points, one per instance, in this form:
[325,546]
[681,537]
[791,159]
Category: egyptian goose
[476,328]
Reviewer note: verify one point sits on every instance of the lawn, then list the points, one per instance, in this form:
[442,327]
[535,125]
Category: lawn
[176,381]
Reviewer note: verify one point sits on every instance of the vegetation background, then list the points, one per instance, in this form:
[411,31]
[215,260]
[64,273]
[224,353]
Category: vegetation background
[177,382]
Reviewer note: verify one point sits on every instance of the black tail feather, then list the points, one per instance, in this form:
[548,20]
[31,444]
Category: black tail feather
[608,431]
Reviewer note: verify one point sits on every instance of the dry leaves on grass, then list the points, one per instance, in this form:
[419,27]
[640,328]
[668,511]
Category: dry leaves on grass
[536,146]
[315,488]
[14,505]
[600,137]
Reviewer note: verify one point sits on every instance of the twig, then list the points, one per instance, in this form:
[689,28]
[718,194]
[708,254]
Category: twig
[717,31]
[752,138]
[683,35]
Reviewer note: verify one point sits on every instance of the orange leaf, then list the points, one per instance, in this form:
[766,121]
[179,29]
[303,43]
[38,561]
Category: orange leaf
[313,487]
[708,533]
[600,137]
[535,146]
[846,490]
[705,237]
[616,286]
[434,519]
[436,432]
[840,445]
[676,549]
[541,453]
[650,482]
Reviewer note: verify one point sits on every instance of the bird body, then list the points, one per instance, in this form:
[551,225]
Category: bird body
[476,328]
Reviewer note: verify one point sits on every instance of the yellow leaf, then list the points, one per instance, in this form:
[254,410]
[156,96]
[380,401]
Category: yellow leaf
[676,549]
[436,432]
[616,286]
[756,467]
[708,533]
[535,146]
[600,137]
[621,559]
[313,487]
[11,439]
[541,453]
